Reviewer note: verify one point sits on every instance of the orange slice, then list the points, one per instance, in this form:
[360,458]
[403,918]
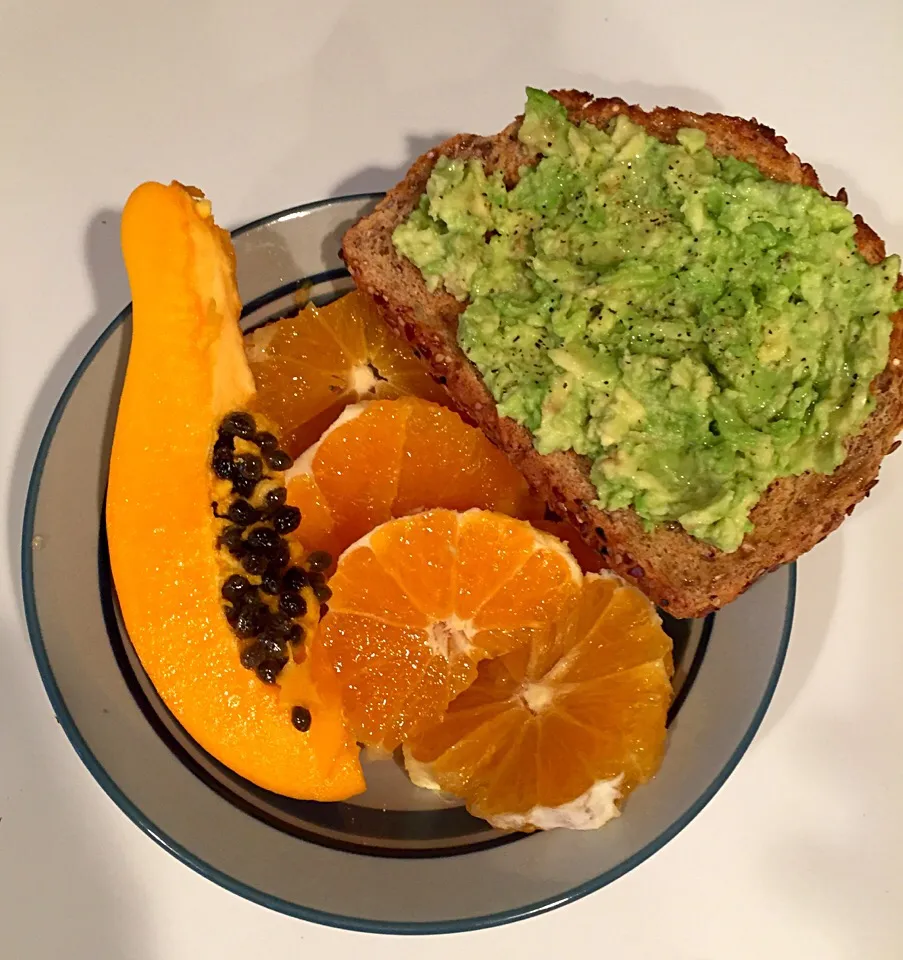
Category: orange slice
[421,600]
[391,458]
[557,732]
[309,367]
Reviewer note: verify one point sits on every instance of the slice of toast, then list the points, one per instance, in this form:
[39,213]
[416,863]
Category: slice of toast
[680,573]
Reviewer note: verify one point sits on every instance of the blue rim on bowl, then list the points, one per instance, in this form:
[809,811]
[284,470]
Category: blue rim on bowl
[238,886]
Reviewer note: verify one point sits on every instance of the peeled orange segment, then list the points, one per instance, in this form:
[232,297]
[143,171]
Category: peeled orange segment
[560,729]
[391,458]
[309,367]
[421,600]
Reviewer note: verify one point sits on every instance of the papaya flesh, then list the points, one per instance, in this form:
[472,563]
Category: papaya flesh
[186,372]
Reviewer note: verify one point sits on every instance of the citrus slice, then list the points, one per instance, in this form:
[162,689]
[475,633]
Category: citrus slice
[391,458]
[558,731]
[309,367]
[421,600]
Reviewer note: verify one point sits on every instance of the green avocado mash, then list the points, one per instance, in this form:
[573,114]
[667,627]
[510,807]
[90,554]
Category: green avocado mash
[694,328]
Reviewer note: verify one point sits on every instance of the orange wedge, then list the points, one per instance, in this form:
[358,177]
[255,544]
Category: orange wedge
[421,600]
[557,732]
[309,367]
[391,458]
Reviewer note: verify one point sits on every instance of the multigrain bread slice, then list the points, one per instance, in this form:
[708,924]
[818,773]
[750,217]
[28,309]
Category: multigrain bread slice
[680,573]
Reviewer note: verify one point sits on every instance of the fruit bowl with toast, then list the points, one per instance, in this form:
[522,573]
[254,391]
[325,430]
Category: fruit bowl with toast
[437,580]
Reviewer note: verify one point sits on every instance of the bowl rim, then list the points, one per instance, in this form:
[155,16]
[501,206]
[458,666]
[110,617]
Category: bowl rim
[233,885]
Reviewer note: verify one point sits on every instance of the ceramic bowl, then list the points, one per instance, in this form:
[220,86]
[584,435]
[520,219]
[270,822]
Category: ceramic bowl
[396,859]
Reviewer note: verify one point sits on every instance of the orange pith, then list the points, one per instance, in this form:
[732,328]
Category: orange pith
[421,600]
[396,457]
[309,367]
[579,702]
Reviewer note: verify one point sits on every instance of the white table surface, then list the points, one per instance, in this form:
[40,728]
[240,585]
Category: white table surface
[270,103]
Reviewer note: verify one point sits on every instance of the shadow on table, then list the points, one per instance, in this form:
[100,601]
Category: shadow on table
[532,54]
[832,179]
[111,294]
[373,178]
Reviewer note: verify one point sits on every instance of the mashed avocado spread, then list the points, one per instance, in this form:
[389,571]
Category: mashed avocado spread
[694,328]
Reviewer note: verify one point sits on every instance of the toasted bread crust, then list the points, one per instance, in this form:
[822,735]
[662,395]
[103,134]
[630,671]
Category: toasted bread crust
[685,575]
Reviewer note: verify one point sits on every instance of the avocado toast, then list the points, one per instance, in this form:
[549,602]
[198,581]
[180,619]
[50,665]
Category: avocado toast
[694,502]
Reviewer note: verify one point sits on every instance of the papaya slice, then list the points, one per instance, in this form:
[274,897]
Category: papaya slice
[217,604]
